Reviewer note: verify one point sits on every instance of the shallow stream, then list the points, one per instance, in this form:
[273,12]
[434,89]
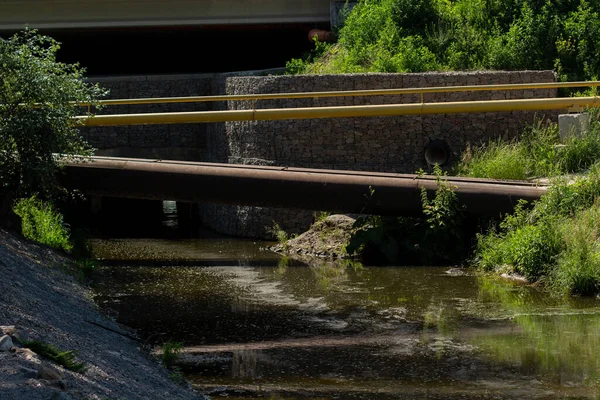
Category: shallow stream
[257,325]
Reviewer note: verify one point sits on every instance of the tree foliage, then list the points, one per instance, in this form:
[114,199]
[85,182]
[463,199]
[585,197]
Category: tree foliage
[424,35]
[37,105]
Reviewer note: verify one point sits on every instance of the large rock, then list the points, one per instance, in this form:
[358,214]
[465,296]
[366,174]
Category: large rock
[325,238]
[6,343]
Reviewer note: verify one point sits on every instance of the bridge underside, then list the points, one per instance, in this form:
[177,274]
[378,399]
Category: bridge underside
[312,189]
[119,37]
[14,14]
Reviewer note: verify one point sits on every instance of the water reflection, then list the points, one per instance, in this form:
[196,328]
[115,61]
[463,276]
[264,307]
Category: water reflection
[257,325]
[558,339]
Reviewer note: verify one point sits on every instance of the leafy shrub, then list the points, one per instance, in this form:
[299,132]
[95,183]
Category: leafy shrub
[435,238]
[418,35]
[37,96]
[42,223]
[555,242]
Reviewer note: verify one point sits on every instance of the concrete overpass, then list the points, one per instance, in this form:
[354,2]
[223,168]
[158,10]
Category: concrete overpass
[61,14]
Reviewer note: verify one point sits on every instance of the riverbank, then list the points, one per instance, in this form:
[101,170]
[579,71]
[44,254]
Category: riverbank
[42,300]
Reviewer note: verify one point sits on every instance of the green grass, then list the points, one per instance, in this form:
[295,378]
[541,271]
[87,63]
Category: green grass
[278,234]
[42,223]
[497,160]
[538,152]
[53,353]
[171,351]
[556,241]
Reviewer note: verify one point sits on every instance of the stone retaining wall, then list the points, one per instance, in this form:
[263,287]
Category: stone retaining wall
[174,142]
[388,144]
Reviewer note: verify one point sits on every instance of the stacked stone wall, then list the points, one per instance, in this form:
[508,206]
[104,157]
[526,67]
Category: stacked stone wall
[388,144]
[174,142]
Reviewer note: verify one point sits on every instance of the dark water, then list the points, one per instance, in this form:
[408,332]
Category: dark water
[255,325]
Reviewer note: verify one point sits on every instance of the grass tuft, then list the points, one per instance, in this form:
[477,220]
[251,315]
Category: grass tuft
[42,223]
[556,241]
[171,351]
[53,353]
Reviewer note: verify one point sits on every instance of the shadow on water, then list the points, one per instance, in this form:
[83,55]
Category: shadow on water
[258,325]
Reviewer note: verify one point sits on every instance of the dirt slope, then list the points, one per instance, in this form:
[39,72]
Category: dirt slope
[45,302]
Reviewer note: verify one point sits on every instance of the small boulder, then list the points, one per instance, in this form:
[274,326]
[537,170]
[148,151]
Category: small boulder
[5,343]
[27,354]
[49,373]
[15,332]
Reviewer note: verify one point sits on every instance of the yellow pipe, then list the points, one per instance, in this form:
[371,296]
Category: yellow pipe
[348,93]
[340,112]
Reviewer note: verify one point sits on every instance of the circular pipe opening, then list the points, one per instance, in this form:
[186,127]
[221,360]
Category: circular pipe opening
[437,152]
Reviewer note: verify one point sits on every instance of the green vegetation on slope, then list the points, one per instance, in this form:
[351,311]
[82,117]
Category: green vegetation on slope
[51,352]
[556,242]
[428,35]
[42,223]
[539,152]
[38,97]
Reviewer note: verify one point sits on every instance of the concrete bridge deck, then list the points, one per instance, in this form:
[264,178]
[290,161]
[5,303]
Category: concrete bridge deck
[61,14]
[312,189]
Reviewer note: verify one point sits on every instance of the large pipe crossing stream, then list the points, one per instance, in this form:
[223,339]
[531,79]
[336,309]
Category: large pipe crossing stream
[313,189]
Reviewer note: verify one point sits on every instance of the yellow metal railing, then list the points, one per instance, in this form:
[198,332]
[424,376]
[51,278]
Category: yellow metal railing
[347,93]
[342,111]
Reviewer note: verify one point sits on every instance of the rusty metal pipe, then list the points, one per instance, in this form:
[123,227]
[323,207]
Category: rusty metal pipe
[313,189]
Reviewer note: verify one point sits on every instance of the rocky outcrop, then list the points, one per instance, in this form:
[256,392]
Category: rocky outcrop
[327,238]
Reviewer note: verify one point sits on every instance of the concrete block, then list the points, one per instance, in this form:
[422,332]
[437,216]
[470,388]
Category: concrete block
[573,124]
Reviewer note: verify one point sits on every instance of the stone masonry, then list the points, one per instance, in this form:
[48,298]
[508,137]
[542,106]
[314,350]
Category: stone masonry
[388,144]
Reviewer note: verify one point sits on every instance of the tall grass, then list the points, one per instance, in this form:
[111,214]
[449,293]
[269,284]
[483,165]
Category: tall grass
[556,242]
[539,152]
[42,223]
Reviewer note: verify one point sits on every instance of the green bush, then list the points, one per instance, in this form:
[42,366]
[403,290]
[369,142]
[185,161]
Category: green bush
[418,35]
[434,239]
[37,106]
[42,223]
[556,241]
